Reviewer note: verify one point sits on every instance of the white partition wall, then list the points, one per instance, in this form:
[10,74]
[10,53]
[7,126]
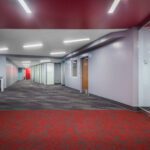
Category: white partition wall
[8,71]
[50,73]
[144,67]
[11,73]
[112,70]
[43,73]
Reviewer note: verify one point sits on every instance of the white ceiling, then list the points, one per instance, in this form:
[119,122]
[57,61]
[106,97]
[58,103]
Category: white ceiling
[52,40]
[34,61]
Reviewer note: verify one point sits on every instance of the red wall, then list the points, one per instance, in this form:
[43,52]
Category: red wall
[28,73]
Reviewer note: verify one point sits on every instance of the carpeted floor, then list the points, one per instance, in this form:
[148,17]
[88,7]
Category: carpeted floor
[29,95]
[74,130]
[85,129]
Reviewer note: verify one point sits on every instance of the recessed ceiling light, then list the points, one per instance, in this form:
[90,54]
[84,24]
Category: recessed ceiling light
[57,53]
[33,45]
[45,61]
[26,62]
[114,6]
[25,6]
[76,40]
[4,49]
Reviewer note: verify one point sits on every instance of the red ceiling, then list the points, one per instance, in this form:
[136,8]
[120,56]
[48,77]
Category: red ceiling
[73,14]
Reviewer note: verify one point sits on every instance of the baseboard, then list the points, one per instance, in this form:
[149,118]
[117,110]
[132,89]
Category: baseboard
[119,103]
[57,83]
[145,111]
[132,108]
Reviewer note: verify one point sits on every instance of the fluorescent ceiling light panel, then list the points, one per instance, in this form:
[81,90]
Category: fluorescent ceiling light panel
[25,6]
[76,40]
[44,61]
[57,53]
[103,40]
[4,49]
[26,65]
[26,62]
[33,45]
[114,6]
[117,45]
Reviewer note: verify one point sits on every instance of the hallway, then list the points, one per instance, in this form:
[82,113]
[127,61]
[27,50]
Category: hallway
[75,75]
[30,95]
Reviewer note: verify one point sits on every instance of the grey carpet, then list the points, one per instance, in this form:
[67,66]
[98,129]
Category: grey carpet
[29,95]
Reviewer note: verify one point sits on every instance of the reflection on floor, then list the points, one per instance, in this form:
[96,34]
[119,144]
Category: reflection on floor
[29,95]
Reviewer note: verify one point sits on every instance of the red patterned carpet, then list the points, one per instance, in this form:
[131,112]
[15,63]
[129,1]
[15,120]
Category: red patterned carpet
[74,130]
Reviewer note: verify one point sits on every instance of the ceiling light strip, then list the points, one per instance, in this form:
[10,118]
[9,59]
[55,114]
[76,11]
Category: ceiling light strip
[57,53]
[33,45]
[45,61]
[76,40]
[25,6]
[4,49]
[26,62]
[114,6]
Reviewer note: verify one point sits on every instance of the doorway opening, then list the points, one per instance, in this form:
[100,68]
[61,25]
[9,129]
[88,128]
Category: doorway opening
[85,82]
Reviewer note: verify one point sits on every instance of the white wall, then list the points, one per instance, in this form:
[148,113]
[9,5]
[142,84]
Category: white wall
[144,68]
[112,71]
[11,73]
[70,81]
[3,68]
[50,73]
[63,73]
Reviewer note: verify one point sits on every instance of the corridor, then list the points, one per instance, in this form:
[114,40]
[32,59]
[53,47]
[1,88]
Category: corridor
[26,94]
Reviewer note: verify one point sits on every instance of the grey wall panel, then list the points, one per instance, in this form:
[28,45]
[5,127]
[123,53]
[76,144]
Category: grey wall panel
[3,68]
[57,73]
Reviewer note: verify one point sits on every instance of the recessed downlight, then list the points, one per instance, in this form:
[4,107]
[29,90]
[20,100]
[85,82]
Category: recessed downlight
[76,40]
[36,45]
[4,48]
[114,6]
[58,53]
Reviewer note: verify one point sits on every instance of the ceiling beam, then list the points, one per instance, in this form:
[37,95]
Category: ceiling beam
[110,38]
[89,49]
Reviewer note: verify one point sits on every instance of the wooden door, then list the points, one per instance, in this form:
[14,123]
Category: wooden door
[85,75]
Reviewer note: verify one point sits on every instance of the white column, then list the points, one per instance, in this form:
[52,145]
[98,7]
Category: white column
[2,85]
